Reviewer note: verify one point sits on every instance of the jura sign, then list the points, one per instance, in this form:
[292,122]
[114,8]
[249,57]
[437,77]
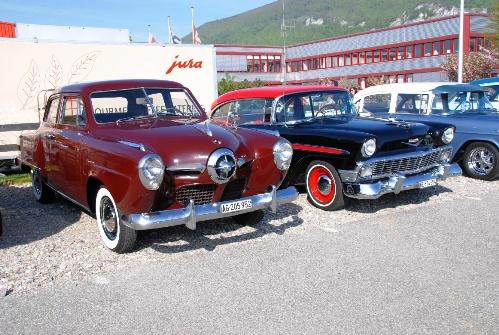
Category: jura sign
[187,64]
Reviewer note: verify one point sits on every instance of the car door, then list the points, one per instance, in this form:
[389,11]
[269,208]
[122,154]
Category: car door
[47,135]
[69,134]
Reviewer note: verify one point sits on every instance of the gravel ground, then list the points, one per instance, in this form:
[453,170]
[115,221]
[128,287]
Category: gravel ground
[47,244]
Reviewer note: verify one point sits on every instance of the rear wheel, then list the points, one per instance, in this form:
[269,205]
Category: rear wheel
[114,234]
[42,192]
[324,187]
[481,161]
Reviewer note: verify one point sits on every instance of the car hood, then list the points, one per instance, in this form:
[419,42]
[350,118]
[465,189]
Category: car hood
[178,143]
[388,133]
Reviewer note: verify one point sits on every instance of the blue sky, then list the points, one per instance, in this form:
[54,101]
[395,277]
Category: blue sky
[132,14]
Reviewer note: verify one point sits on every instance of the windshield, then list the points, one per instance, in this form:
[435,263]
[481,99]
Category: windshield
[308,106]
[130,104]
[460,102]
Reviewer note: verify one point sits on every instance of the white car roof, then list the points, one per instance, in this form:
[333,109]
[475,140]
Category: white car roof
[400,88]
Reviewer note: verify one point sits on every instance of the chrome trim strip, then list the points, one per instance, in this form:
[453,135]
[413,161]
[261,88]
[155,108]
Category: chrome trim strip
[139,146]
[196,167]
[192,214]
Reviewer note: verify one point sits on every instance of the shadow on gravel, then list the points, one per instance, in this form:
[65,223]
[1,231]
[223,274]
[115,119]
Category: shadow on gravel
[416,196]
[200,238]
[25,220]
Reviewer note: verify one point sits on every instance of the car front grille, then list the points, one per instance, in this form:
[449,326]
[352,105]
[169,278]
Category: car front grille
[407,165]
[200,194]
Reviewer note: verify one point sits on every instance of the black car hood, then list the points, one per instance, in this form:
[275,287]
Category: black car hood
[389,134]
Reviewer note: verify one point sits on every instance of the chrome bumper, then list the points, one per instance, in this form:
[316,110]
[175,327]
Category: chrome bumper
[399,183]
[192,214]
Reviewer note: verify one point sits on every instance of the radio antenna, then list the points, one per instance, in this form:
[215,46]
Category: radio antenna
[284,35]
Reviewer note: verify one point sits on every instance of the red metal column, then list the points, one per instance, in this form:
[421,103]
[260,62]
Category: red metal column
[467,33]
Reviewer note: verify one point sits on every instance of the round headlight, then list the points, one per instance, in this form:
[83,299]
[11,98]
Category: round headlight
[369,148]
[151,171]
[283,153]
[448,135]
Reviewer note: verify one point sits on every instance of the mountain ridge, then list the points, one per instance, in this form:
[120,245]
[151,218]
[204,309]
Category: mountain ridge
[308,20]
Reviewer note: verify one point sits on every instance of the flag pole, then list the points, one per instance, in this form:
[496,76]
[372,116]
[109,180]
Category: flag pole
[169,31]
[192,15]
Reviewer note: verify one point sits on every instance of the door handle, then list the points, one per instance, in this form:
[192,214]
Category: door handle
[50,137]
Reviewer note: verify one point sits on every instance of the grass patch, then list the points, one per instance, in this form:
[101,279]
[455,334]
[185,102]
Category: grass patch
[15,179]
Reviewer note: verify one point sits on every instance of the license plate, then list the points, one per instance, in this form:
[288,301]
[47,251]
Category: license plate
[427,183]
[235,206]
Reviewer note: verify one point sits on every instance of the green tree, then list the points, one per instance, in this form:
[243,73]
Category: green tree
[228,84]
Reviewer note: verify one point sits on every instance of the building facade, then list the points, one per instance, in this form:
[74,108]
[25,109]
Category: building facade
[406,53]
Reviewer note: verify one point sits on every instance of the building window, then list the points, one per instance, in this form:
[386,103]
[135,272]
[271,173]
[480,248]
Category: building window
[447,47]
[384,55]
[362,58]
[400,78]
[409,51]
[393,55]
[408,78]
[427,49]
[418,50]
[341,61]
[472,44]
[401,53]
[376,56]
[456,45]
[355,58]
[436,48]
[369,57]
[348,60]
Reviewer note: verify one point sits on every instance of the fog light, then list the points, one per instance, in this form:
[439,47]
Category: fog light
[366,172]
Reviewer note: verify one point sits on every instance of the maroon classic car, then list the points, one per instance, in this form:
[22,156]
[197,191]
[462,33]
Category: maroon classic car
[142,154]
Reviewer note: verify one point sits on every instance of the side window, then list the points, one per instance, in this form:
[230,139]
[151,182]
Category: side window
[409,103]
[248,111]
[377,103]
[51,115]
[72,112]
[221,113]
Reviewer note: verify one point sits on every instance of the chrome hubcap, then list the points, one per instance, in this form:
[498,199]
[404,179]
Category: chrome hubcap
[37,183]
[324,184]
[481,161]
[109,220]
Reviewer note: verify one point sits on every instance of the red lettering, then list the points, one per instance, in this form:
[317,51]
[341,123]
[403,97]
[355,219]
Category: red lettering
[191,64]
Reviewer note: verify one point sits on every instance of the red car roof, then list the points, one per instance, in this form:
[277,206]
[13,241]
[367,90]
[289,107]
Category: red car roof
[270,92]
[117,84]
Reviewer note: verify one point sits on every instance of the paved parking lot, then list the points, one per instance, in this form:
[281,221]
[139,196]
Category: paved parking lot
[425,261]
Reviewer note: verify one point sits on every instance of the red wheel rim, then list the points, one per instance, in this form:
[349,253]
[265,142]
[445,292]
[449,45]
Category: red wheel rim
[321,185]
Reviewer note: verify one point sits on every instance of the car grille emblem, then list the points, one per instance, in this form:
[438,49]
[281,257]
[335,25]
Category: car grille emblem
[414,142]
[221,165]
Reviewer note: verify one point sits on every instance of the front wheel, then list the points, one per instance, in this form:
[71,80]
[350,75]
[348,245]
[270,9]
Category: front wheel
[481,161]
[114,234]
[324,187]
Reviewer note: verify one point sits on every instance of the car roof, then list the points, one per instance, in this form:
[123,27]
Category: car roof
[400,87]
[271,92]
[486,81]
[458,88]
[94,86]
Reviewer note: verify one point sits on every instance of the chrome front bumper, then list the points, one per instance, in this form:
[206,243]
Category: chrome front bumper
[398,183]
[192,214]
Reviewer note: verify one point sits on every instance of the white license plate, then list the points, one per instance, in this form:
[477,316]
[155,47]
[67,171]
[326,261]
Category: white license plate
[427,183]
[235,206]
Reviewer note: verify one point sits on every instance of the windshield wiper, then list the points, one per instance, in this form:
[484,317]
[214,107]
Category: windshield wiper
[129,118]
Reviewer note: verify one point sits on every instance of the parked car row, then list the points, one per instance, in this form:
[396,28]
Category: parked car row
[142,154]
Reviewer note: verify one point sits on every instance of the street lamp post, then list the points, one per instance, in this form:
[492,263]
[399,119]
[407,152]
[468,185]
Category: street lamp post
[461,44]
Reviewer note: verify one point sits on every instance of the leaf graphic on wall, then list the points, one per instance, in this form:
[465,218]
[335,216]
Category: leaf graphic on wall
[82,67]
[53,77]
[28,86]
